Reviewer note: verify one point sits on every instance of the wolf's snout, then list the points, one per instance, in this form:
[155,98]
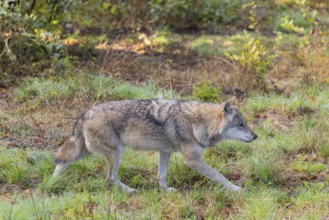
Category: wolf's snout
[255,136]
[251,137]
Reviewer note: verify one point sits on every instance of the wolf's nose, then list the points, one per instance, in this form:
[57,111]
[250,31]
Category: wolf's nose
[255,136]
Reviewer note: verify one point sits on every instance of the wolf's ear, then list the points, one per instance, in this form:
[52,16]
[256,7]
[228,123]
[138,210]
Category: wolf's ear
[233,100]
[227,107]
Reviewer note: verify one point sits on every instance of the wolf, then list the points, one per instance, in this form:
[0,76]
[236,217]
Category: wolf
[165,126]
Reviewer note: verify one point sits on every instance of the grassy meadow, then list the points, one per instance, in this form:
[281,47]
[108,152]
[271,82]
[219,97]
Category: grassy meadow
[284,173]
[281,79]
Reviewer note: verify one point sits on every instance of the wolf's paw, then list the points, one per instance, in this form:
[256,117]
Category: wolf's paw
[236,189]
[169,189]
[130,190]
[127,189]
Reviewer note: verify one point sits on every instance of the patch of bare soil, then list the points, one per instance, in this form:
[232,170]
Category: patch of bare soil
[280,121]
[27,125]
[172,67]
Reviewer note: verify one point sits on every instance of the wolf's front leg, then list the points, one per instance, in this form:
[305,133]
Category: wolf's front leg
[164,158]
[193,159]
[114,157]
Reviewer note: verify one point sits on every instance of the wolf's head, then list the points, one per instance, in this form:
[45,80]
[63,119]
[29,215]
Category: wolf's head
[234,125]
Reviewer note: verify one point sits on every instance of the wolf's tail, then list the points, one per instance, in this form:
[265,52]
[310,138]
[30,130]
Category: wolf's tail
[72,150]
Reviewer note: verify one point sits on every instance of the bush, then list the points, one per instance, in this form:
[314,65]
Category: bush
[254,56]
[206,92]
[23,39]
[194,13]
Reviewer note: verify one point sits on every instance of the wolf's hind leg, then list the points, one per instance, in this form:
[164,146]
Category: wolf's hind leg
[164,158]
[115,157]
[193,159]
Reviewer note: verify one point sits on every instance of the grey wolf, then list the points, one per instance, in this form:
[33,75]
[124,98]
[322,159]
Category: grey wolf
[159,125]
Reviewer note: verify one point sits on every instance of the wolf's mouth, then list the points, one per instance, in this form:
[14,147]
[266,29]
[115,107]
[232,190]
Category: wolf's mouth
[248,139]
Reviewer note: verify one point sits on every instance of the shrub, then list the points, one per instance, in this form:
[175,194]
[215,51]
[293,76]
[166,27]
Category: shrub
[194,13]
[254,56]
[206,92]
[23,40]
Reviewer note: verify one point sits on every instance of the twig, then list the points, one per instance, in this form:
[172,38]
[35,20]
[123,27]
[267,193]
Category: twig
[52,11]
[108,51]
[31,8]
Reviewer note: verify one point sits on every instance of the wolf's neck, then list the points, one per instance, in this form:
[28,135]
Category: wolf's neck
[215,140]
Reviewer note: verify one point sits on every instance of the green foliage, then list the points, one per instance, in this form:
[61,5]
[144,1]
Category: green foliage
[23,38]
[254,56]
[12,26]
[206,92]
[172,13]
[289,25]
[194,13]
[306,19]
[309,15]
[13,33]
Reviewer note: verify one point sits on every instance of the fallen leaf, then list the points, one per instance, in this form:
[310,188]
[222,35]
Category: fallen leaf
[234,176]
[26,192]
[313,156]
[5,135]
[228,210]
[152,153]
[308,177]
[313,98]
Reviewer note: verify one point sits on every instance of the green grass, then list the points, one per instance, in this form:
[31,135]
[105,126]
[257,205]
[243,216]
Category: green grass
[273,169]
[97,87]
[46,89]
[297,103]
[82,192]
[217,45]
[260,204]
